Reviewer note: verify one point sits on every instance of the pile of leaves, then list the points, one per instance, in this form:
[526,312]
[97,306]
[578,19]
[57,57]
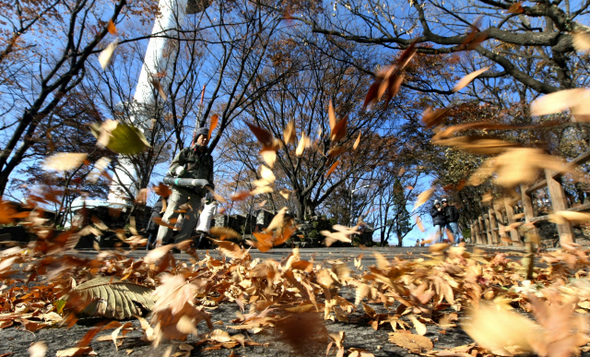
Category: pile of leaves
[487,296]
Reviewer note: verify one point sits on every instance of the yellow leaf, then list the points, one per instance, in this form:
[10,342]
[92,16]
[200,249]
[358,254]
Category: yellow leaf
[120,137]
[332,115]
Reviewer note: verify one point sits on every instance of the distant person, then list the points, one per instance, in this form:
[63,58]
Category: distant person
[439,220]
[152,227]
[452,216]
[417,243]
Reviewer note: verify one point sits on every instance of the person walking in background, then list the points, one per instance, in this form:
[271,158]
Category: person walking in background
[439,220]
[194,162]
[204,223]
[452,217]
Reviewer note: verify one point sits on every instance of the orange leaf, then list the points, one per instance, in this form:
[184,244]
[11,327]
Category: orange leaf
[332,116]
[516,8]
[112,28]
[240,196]
[339,130]
[334,165]
[357,142]
[264,241]
[265,138]
[214,122]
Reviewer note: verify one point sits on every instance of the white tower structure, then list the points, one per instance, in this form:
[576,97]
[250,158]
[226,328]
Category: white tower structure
[171,18]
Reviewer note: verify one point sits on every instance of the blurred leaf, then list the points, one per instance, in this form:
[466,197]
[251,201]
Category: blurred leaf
[468,78]
[105,55]
[112,28]
[214,123]
[64,161]
[120,137]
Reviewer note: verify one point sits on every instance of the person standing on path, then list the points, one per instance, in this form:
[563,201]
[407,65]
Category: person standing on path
[452,215]
[152,227]
[194,162]
[439,220]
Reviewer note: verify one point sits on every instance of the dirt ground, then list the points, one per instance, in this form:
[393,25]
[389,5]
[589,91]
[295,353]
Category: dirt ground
[358,334]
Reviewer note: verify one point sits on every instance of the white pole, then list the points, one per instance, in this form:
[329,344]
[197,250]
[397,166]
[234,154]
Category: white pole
[157,59]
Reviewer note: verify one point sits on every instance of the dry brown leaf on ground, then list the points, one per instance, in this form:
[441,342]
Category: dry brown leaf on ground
[76,351]
[38,349]
[411,342]
[300,330]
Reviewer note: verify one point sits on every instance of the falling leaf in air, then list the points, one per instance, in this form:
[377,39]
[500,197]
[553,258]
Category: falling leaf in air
[289,133]
[561,217]
[112,28]
[332,168]
[423,197]
[559,101]
[99,166]
[214,122]
[495,328]
[105,55]
[419,224]
[64,161]
[357,142]
[581,41]
[158,86]
[468,78]
[304,143]
[119,137]
[432,118]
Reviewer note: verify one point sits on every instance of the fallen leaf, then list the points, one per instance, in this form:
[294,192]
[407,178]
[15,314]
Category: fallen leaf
[411,342]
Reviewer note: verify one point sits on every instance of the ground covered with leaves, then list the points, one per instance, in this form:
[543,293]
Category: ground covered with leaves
[228,303]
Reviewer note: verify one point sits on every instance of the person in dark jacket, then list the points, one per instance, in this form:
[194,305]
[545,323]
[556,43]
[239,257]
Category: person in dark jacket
[452,215]
[439,220]
[194,162]
[152,228]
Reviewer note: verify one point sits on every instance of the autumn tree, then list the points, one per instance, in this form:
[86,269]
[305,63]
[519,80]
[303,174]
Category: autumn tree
[314,78]
[45,48]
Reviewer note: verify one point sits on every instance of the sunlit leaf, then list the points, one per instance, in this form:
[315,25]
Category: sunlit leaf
[105,55]
[423,197]
[64,161]
[214,122]
[304,143]
[560,101]
[357,142]
[468,78]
